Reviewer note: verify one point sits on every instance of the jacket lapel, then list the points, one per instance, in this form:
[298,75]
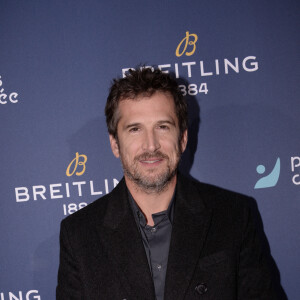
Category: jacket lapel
[190,227]
[120,236]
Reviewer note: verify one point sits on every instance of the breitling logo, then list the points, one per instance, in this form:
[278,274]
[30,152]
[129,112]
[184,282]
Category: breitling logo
[75,163]
[189,41]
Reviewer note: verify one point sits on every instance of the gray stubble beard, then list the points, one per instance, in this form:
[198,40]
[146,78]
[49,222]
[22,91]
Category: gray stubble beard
[156,185]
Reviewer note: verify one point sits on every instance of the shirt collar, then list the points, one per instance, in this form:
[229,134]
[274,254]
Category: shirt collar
[157,217]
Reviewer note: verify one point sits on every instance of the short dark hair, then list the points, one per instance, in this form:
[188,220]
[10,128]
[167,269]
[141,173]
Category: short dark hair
[144,81]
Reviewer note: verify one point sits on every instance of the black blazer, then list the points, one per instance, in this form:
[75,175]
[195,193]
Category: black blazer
[214,253]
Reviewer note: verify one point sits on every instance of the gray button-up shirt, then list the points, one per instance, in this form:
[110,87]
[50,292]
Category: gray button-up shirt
[156,240]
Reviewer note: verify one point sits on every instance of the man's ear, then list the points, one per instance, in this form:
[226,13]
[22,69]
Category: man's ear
[184,140]
[114,146]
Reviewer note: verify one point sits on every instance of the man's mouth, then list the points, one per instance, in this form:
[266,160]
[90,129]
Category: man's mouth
[151,158]
[151,161]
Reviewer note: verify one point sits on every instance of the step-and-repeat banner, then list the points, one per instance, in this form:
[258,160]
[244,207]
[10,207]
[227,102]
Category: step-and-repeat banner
[237,62]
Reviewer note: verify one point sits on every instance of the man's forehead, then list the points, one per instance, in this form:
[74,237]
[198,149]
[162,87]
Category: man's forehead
[159,106]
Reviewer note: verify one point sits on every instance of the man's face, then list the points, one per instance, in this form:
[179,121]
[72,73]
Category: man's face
[148,141]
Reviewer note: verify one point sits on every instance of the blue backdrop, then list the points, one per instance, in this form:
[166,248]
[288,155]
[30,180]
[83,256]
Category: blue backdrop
[238,63]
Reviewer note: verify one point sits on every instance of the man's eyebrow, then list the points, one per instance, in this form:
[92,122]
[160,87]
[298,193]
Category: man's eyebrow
[132,125]
[171,122]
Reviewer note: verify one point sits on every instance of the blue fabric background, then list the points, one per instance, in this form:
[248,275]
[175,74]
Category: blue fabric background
[60,57]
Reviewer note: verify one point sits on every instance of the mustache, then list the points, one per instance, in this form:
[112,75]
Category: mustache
[149,155]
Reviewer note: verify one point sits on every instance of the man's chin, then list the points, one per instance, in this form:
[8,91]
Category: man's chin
[155,183]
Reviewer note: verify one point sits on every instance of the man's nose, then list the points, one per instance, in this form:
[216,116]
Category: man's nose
[151,142]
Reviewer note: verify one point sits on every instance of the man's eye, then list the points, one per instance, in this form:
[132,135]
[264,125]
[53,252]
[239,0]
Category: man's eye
[133,129]
[164,127]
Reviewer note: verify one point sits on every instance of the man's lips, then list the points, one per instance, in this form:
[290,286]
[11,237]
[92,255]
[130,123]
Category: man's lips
[151,161]
[151,158]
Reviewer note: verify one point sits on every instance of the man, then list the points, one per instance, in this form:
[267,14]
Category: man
[158,235]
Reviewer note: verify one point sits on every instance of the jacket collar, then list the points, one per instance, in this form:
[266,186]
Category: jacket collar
[190,228]
[120,237]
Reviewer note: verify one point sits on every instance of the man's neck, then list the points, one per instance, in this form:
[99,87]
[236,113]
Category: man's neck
[152,202]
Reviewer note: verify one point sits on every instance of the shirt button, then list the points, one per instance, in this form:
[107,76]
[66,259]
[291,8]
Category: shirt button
[153,230]
[201,288]
[158,267]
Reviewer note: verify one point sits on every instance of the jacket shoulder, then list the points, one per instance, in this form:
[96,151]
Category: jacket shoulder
[97,209]
[217,197]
